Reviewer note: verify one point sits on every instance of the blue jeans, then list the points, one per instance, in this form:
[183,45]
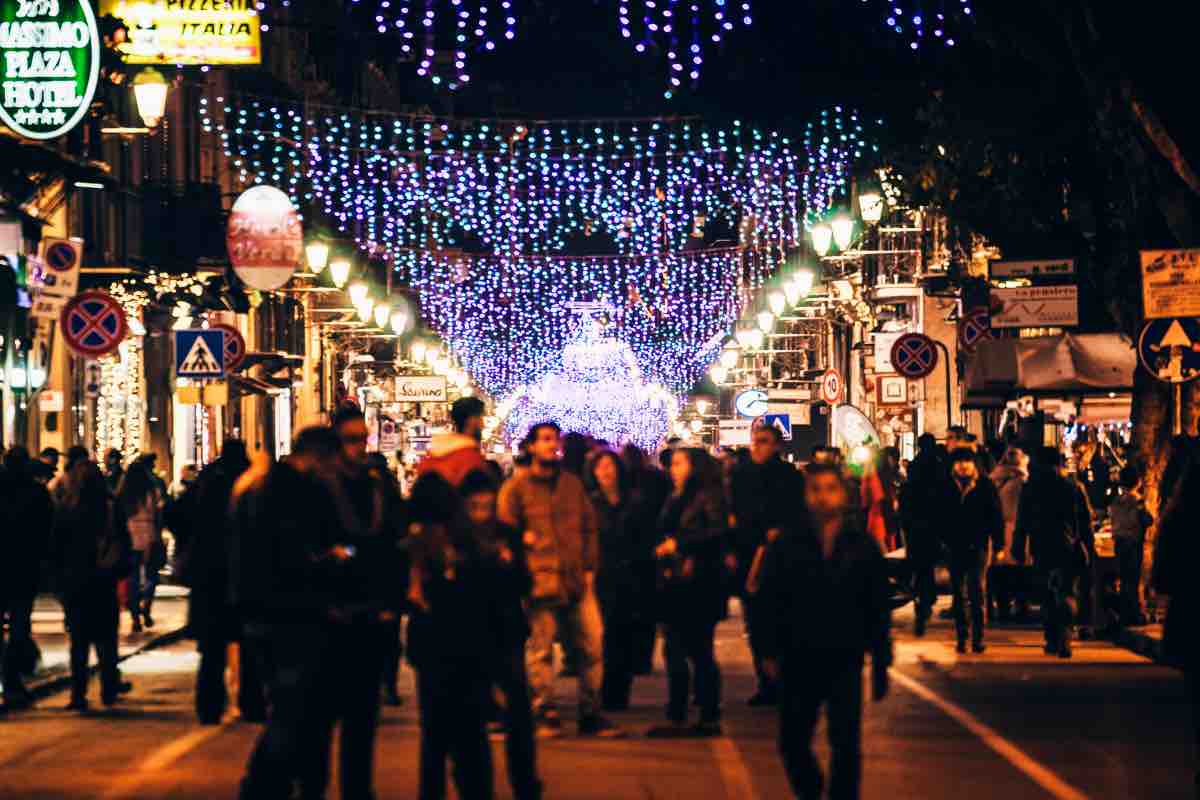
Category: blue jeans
[582,632]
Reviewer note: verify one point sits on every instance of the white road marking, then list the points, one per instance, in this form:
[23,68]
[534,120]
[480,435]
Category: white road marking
[732,767]
[160,759]
[1040,774]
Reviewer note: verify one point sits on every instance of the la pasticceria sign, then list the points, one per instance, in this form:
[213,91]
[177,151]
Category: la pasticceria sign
[49,63]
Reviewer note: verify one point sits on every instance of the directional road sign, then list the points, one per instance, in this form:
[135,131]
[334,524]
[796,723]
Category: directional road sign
[93,324]
[198,353]
[1169,348]
[831,386]
[914,355]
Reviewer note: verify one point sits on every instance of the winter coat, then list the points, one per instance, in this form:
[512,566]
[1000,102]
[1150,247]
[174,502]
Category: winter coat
[559,514]
[973,520]
[454,456]
[625,577]
[1129,517]
[1175,557]
[26,517]
[373,520]
[284,524]
[143,522]
[207,562]
[923,500]
[1008,481]
[808,607]
[763,496]
[83,539]
[1052,520]
[693,581]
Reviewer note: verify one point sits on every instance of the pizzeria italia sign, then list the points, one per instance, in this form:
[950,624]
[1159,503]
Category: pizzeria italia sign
[49,64]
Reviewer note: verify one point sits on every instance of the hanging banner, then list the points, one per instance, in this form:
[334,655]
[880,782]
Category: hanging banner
[1035,307]
[49,63]
[265,239]
[1170,283]
[189,32]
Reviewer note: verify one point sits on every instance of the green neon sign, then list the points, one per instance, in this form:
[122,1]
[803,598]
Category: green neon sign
[49,63]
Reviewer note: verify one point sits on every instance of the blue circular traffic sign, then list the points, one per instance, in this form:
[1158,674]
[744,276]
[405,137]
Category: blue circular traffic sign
[93,324]
[1169,349]
[914,355]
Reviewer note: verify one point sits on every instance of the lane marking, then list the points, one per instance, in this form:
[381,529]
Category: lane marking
[160,759]
[1040,774]
[732,767]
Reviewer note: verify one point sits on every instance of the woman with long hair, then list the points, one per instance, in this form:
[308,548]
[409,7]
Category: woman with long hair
[692,545]
[138,496]
[622,577]
[92,549]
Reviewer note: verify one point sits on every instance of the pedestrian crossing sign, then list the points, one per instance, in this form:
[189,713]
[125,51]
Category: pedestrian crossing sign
[198,353]
[780,422]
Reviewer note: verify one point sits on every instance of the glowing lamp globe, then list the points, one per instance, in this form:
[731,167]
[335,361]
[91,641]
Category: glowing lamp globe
[843,231]
[399,321]
[803,279]
[777,300]
[718,374]
[365,309]
[150,94]
[264,238]
[358,292]
[316,253]
[419,348]
[822,238]
[339,272]
[383,315]
[766,321]
[729,358]
[744,336]
[870,205]
[756,339]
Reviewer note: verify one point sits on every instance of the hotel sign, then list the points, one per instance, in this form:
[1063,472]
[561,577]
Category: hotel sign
[49,63]
[189,32]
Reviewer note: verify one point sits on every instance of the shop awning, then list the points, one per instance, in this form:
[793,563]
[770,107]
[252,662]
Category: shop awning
[1068,365]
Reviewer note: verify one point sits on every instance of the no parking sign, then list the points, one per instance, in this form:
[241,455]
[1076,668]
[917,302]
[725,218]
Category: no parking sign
[60,262]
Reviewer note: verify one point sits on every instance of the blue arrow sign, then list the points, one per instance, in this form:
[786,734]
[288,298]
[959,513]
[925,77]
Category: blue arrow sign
[199,353]
[781,422]
[1170,349]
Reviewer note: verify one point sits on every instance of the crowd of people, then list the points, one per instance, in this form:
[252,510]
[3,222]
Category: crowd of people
[326,574]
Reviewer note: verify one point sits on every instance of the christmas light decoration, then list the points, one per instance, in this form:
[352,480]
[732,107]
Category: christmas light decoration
[670,26]
[921,21]
[834,141]
[598,389]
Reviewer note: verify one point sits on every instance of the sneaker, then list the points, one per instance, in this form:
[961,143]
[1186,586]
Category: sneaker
[77,704]
[763,698]
[978,647]
[124,687]
[961,647]
[18,700]
[148,620]
[707,729]
[137,626]
[601,728]
[1064,651]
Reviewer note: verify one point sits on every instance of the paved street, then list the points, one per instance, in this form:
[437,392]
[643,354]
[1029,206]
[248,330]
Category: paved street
[1008,724]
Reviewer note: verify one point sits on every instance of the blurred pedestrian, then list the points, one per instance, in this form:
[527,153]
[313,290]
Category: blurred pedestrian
[1176,588]
[139,498]
[652,487]
[212,619]
[624,558]
[114,469]
[880,486]
[92,552]
[61,485]
[455,455]
[285,582]
[694,540]
[825,598]
[45,468]
[1049,523]
[26,516]
[551,508]
[975,523]
[923,498]
[1130,521]
[1004,579]
[766,496]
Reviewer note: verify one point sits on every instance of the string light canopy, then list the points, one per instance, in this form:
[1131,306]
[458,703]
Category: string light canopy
[835,140]
[923,22]
[682,29]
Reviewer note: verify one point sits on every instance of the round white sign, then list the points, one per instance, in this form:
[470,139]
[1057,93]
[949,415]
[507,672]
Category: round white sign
[265,239]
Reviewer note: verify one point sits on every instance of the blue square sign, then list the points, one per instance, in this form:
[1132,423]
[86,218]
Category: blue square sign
[199,353]
[781,422]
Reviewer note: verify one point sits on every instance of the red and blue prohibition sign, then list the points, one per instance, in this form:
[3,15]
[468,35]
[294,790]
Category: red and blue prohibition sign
[93,324]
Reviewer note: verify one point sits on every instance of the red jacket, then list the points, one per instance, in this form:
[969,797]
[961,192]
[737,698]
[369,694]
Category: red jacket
[454,456]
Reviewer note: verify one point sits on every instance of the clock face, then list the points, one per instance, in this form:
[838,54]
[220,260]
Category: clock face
[751,403]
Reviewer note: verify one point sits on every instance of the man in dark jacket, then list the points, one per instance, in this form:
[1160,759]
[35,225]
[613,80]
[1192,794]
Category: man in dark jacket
[823,604]
[1050,521]
[922,500]
[975,521]
[284,578]
[212,620]
[26,516]
[765,496]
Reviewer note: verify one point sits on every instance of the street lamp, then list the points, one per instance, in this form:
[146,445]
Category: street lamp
[316,254]
[358,293]
[803,280]
[702,407]
[383,315]
[729,357]
[419,349]
[697,425]
[822,238]
[718,374]
[399,321]
[757,339]
[744,336]
[870,205]
[843,231]
[777,301]
[766,321]
[365,309]
[150,94]
[339,272]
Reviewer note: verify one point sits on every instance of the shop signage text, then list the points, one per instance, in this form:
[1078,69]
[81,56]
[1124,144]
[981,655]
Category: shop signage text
[189,31]
[1053,268]
[49,63]
[420,389]
[734,432]
[1035,307]
[265,238]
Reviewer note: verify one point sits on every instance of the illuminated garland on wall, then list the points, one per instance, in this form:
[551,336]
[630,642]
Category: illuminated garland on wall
[682,30]
[923,22]
[834,142]
[514,188]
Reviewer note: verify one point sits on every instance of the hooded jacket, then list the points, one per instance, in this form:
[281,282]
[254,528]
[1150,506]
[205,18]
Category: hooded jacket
[454,456]
[1008,481]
